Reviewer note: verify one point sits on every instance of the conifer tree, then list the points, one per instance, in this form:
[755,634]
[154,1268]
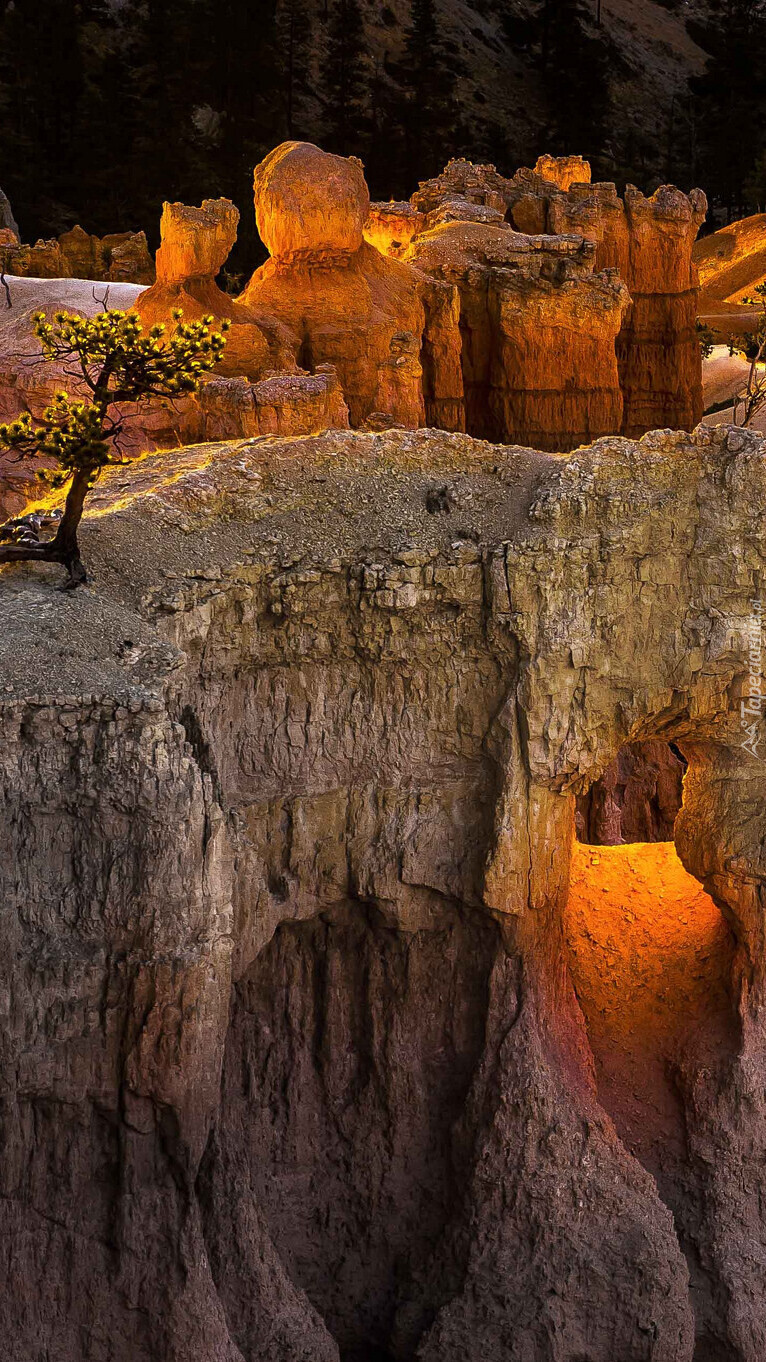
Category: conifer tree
[347,80]
[432,126]
[118,364]
[294,36]
[731,97]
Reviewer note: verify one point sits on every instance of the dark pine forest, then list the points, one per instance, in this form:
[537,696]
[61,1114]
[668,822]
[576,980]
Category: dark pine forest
[109,107]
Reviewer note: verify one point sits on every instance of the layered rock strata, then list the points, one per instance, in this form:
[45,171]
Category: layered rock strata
[648,241]
[391,334]
[293,1064]
[120,257]
[195,244]
[538,331]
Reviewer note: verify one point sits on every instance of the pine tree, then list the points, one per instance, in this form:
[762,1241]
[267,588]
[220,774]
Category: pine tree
[575,71]
[41,78]
[119,365]
[347,80]
[432,120]
[294,35]
[731,97]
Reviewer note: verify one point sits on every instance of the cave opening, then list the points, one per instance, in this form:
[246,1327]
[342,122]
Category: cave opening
[652,961]
[650,953]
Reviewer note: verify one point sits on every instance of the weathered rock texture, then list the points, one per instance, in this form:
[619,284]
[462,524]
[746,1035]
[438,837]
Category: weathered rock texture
[538,332]
[7,220]
[293,1063]
[647,241]
[636,800]
[121,257]
[282,403]
[195,244]
[391,334]
[731,264]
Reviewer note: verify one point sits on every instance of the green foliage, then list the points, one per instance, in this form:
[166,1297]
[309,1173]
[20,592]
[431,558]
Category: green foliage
[433,121]
[730,98]
[118,363]
[707,339]
[70,432]
[347,79]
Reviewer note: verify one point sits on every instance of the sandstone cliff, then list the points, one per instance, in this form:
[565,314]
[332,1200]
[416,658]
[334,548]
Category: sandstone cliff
[392,335]
[121,257]
[293,1064]
[648,241]
[538,331]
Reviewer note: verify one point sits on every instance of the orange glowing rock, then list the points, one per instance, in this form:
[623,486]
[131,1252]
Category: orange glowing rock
[390,227]
[563,170]
[539,330]
[196,242]
[649,241]
[309,203]
[194,246]
[391,334]
[651,962]
[731,264]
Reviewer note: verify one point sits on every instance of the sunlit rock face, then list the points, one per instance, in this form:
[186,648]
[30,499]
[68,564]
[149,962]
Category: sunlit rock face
[731,264]
[121,257]
[320,1029]
[391,334]
[648,241]
[563,170]
[538,331]
[538,323]
[195,244]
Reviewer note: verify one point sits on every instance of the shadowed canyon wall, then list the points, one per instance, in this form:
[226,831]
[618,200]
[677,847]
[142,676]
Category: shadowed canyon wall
[293,1061]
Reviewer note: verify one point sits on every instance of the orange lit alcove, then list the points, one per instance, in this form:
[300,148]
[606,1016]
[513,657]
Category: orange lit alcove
[650,954]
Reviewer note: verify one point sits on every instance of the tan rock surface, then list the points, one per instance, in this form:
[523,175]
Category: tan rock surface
[119,257]
[290,1036]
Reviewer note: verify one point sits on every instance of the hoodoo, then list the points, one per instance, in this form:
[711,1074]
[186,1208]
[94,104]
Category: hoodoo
[382,736]
[391,334]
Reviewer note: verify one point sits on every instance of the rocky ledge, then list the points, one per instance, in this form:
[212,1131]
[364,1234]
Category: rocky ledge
[293,1065]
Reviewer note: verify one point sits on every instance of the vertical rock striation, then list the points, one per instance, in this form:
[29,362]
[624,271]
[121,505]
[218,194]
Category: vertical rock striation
[293,1062]
[534,319]
[648,241]
[195,245]
[391,336]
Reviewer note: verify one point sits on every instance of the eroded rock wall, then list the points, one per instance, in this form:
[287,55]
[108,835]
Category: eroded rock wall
[534,320]
[648,241]
[391,334]
[294,845]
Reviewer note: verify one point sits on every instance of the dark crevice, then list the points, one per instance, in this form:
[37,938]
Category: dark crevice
[355,1180]
[203,753]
